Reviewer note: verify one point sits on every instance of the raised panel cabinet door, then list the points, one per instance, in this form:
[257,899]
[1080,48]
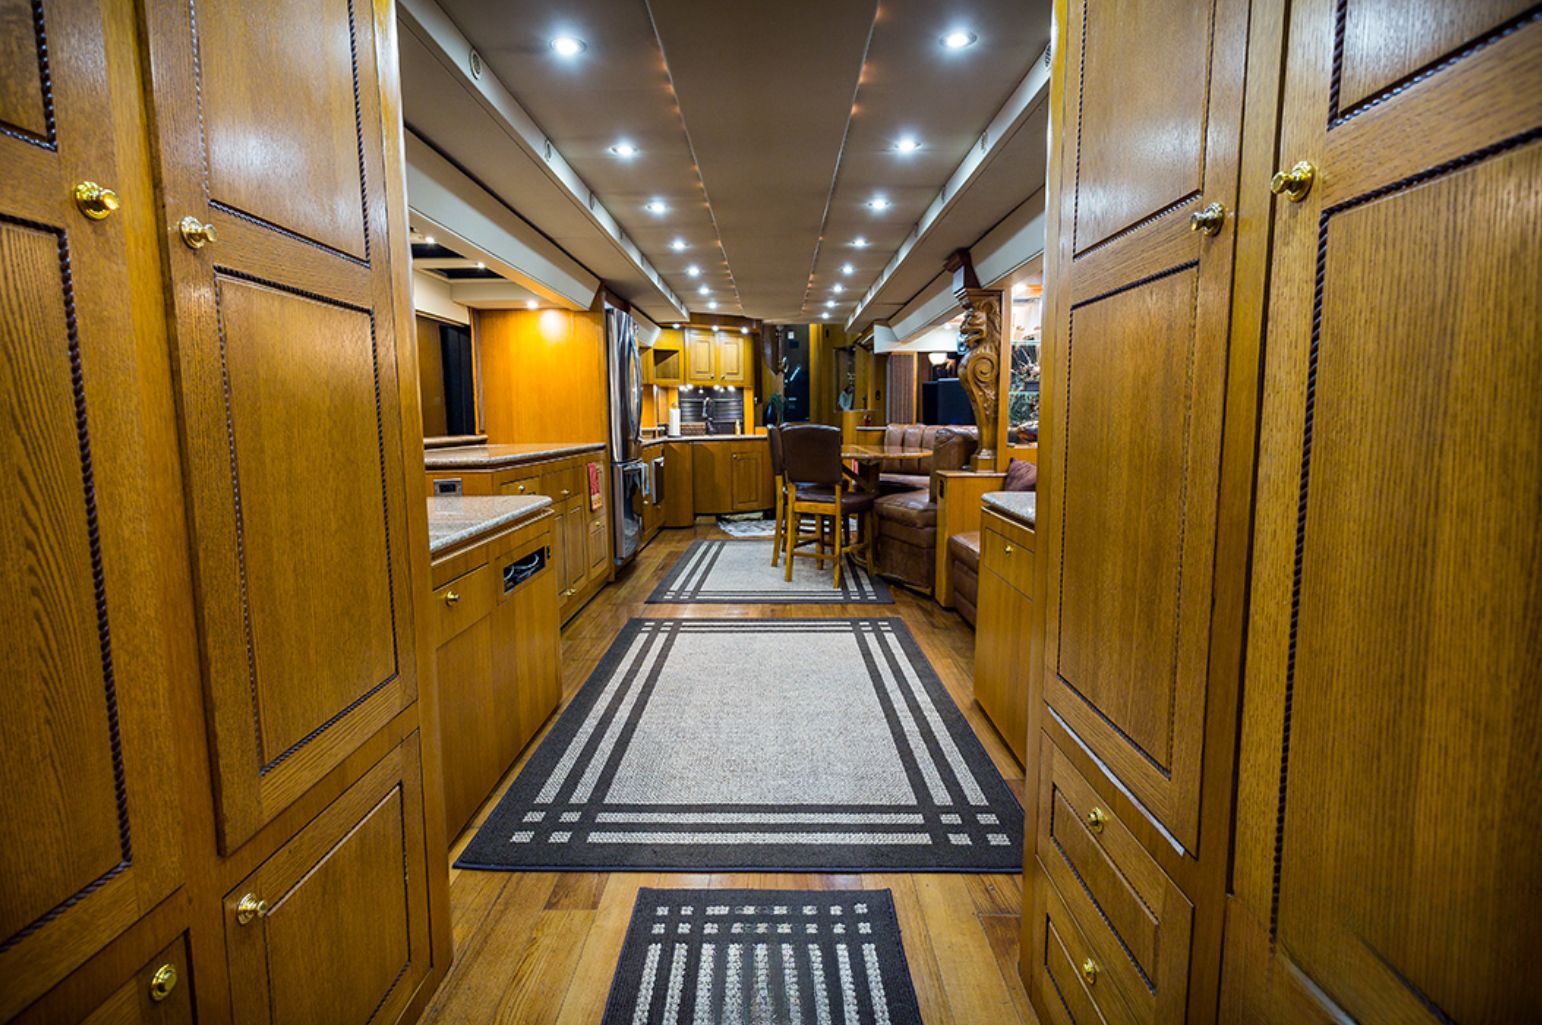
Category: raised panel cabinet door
[700,357]
[270,133]
[751,471]
[335,923]
[1387,846]
[468,665]
[529,618]
[575,543]
[730,359]
[1137,363]
[91,561]
[1001,658]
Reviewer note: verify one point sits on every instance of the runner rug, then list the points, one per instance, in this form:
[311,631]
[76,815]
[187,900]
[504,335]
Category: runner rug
[794,956]
[821,745]
[740,573]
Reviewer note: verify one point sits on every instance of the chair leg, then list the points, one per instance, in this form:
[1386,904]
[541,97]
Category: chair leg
[791,535]
[781,498]
[840,532]
[823,524]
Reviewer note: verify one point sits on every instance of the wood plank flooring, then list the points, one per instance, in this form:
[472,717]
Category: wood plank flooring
[540,947]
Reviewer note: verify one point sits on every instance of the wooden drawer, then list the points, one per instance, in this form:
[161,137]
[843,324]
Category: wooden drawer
[561,481]
[1069,981]
[464,600]
[1004,549]
[1135,918]
[527,484]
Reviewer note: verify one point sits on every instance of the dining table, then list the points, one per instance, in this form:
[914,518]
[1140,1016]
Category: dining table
[869,460]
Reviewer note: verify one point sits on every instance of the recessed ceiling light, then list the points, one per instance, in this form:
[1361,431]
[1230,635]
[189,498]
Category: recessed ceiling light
[568,46]
[825,315]
[859,242]
[704,290]
[678,245]
[958,39]
[907,144]
[531,304]
[428,239]
[712,305]
[657,207]
[829,304]
[837,288]
[848,269]
[625,149]
[878,203]
[693,270]
[717,330]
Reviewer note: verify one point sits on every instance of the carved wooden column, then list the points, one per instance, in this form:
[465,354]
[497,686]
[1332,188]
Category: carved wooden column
[980,369]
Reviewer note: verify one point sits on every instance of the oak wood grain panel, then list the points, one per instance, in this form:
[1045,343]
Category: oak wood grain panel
[131,1003]
[1001,657]
[347,905]
[258,77]
[1380,43]
[679,484]
[543,375]
[469,715]
[1061,980]
[1143,98]
[25,99]
[700,356]
[529,619]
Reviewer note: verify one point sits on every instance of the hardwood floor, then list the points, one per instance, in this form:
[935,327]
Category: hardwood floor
[539,947]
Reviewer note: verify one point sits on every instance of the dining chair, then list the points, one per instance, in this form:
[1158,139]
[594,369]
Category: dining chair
[819,486]
[779,486]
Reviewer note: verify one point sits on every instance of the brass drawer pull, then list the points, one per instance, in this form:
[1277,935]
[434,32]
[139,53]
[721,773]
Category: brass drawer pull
[1095,819]
[163,982]
[1007,550]
[451,597]
[1295,183]
[96,201]
[1208,221]
[196,233]
[1090,971]
[250,907]
[520,490]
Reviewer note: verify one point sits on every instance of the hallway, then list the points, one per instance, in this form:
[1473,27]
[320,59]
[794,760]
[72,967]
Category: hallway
[541,946]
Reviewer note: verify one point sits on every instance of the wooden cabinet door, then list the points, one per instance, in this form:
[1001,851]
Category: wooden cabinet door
[1001,658]
[470,665]
[597,543]
[731,362]
[92,561]
[679,484]
[712,472]
[344,935]
[751,478]
[269,127]
[1136,372]
[700,357]
[528,635]
[1387,841]
[575,543]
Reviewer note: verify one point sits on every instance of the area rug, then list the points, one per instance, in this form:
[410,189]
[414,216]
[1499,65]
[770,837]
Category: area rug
[760,527]
[793,956]
[740,573]
[797,745]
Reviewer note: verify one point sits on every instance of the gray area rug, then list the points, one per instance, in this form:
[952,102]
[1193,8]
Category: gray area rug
[793,956]
[760,527]
[799,745]
[740,572]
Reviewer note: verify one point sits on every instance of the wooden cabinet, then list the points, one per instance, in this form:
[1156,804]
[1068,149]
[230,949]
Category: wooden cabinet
[497,657]
[1003,628]
[89,526]
[1302,434]
[730,476]
[679,484]
[717,357]
[334,926]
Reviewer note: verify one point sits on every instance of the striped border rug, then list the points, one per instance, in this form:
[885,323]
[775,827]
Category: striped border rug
[798,745]
[789,956]
[740,573]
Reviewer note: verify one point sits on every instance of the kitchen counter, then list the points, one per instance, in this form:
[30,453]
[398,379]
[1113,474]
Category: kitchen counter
[1015,505]
[705,437]
[454,519]
[495,457]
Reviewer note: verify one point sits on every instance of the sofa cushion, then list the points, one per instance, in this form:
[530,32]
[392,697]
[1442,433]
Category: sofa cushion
[851,501]
[892,482]
[964,549]
[912,508]
[1021,476]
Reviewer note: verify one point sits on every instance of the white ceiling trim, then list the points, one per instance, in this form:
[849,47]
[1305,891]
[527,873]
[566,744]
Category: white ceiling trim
[428,22]
[440,195]
[1029,94]
[1012,243]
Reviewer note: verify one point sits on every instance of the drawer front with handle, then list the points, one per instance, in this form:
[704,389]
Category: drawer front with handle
[1133,915]
[560,483]
[1006,552]
[1070,978]
[529,485]
[464,600]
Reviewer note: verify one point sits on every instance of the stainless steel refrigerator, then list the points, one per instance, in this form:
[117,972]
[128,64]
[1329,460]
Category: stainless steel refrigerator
[628,473]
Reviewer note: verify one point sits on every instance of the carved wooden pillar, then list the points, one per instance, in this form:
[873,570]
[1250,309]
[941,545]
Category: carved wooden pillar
[980,369]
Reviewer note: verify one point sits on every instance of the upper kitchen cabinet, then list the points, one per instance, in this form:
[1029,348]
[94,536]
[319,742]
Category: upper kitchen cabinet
[288,354]
[91,563]
[716,357]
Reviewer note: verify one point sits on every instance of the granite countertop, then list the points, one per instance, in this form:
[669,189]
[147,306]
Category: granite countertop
[1016,505]
[453,519]
[492,457]
[705,437]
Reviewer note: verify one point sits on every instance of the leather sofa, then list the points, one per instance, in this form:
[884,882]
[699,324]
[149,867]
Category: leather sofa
[964,558]
[906,511]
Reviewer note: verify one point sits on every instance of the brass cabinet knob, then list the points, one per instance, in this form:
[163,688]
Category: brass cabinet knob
[566,492]
[1008,550]
[520,490]
[196,233]
[1295,183]
[1095,819]
[1208,221]
[1090,971]
[96,201]
[250,907]
[163,982]
[569,592]
[451,597]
